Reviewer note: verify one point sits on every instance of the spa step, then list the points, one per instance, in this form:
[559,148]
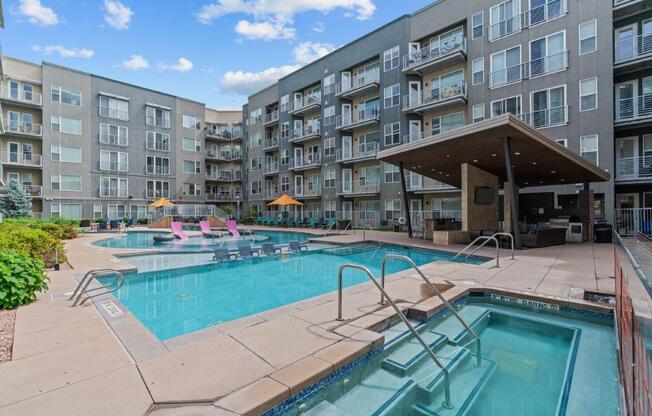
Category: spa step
[467,383]
[396,334]
[429,376]
[407,356]
[474,316]
[379,393]
[356,248]
[324,408]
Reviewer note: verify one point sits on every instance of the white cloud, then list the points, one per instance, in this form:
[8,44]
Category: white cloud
[134,63]
[63,51]
[182,65]
[37,13]
[319,27]
[265,30]
[306,52]
[117,15]
[246,83]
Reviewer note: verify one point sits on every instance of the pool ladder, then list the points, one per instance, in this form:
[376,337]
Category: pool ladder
[82,288]
[383,295]
[486,239]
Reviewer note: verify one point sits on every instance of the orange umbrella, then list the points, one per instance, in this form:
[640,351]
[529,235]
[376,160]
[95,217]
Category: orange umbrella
[285,200]
[162,202]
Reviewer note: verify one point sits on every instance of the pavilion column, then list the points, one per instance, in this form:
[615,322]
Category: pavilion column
[406,203]
[511,190]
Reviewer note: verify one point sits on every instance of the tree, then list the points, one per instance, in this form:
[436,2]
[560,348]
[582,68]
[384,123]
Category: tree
[15,203]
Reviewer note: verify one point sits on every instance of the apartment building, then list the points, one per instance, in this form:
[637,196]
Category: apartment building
[316,132]
[85,146]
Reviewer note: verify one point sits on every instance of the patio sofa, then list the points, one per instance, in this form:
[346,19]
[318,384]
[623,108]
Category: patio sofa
[544,237]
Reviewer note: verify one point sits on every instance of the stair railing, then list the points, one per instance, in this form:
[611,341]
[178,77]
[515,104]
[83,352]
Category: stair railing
[485,239]
[82,288]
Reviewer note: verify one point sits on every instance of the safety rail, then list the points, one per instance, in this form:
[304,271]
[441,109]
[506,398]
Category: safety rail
[511,239]
[447,393]
[484,238]
[329,229]
[82,287]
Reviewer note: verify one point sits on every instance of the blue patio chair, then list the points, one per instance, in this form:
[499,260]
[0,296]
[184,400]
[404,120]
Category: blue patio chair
[329,223]
[296,247]
[270,249]
[246,252]
[103,225]
[114,224]
[221,254]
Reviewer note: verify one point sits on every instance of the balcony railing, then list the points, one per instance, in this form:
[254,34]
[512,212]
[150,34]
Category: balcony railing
[224,176]
[306,132]
[416,182]
[635,108]
[222,197]
[358,117]
[434,97]
[306,162]
[534,16]
[22,159]
[629,168]
[26,97]
[619,3]
[271,168]
[33,191]
[535,68]
[305,103]
[412,136]
[114,192]
[360,186]
[309,190]
[361,151]
[633,48]
[546,118]
[157,121]
[223,133]
[26,128]
[429,54]
[271,143]
[359,81]
[113,113]
[272,193]
[157,170]
[271,117]
[110,166]
[514,73]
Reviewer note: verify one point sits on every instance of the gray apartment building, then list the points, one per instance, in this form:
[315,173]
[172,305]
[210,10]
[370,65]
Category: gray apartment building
[315,133]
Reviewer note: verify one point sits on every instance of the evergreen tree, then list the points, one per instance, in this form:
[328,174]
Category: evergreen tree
[15,202]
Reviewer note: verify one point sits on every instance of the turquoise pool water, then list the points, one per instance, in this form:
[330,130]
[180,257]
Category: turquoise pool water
[176,302]
[142,240]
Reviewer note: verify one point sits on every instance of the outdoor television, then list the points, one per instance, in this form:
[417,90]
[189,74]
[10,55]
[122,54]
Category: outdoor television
[484,195]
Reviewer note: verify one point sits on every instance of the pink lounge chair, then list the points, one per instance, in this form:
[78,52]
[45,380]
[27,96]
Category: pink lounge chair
[177,230]
[232,226]
[206,231]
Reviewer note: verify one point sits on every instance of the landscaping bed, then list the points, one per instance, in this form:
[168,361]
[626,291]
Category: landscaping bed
[7,320]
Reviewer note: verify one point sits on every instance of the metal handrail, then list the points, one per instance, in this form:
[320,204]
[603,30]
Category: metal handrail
[82,288]
[437,292]
[511,239]
[447,400]
[484,238]
[329,229]
[83,282]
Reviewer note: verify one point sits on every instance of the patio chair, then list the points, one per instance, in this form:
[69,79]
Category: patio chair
[177,230]
[103,225]
[296,247]
[232,226]
[270,249]
[206,230]
[321,223]
[291,222]
[279,221]
[329,223]
[299,222]
[246,252]
[311,223]
[222,253]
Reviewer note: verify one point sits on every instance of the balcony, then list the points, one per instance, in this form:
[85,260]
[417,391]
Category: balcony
[429,59]
[532,17]
[191,198]
[634,168]
[223,155]
[359,153]
[271,168]
[361,84]
[28,160]
[309,191]
[109,112]
[535,68]
[416,183]
[113,166]
[23,128]
[412,137]
[305,105]
[633,110]
[622,8]
[358,188]
[309,132]
[435,99]
[632,51]
[221,197]
[271,194]
[305,162]
[113,193]
[271,143]
[546,118]
[33,191]
[361,118]
[270,118]
[17,96]
[222,134]
[224,176]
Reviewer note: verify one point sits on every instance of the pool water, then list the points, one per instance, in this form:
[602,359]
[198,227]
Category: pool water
[144,240]
[176,302]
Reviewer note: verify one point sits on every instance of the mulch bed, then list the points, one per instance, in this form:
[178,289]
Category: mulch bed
[7,320]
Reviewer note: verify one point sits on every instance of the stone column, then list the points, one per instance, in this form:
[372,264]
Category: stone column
[507,209]
[478,217]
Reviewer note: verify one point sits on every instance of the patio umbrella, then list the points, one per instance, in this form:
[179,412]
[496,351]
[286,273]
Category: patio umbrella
[161,202]
[285,200]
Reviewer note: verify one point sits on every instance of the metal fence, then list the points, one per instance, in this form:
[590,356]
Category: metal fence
[629,221]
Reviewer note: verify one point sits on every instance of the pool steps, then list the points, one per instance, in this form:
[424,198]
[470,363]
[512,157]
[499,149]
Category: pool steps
[351,249]
[408,383]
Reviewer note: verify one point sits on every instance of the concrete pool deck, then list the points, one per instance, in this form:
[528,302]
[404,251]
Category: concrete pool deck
[69,361]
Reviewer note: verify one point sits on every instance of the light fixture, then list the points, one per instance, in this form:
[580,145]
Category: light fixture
[493,155]
[553,171]
[475,160]
[517,153]
[534,163]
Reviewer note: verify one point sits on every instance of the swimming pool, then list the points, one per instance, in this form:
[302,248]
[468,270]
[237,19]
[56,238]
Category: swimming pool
[145,239]
[176,302]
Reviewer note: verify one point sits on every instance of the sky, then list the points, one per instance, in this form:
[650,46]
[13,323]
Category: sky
[213,51]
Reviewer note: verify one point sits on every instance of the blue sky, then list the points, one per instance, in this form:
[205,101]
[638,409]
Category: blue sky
[214,51]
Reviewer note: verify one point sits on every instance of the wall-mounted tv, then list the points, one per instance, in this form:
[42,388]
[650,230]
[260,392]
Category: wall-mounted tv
[484,195]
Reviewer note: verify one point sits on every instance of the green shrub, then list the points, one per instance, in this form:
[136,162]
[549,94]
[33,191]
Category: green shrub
[249,215]
[33,242]
[61,229]
[21,277]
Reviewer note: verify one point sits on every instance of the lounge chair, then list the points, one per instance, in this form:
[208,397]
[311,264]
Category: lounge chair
[206,230]
[279,221]
[177,230]
[221,254]
[270,249]
[296,247]
[232,226]
[330,222]
[103,225]
[311,223]
[114,224]
[299,222]
[259,220]
[246,252]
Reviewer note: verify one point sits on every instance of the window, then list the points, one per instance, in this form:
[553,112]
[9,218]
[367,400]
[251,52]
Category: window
[510,105]
[157,141]
[66,125]
[544,10]
[157,165]
[392,134]
[589,148]
[477,23]
[392,95]
[112,134]
[255,163]
[588,37]
[446,207]
[330,209]
[548,107]
[65,182]
[478,71]
[505,67]
[256,116]
[61,153]
[548,54]
[285,156]
[116,211]
[191,189]
[97,211]
[588,94]
[392,173]
[447,123]
[285,184]
[562,142]
[329,178]
[114,108]
[255,140]
[66,96]
[504,19]
[157,189]
[191,145]
[392,209]
[156,116]
[285,130]
[191,166]
[113,187]
[255,188]
[285,100]
[391,58]
[329,147]
[329,115]
[68,211]
[329,84]
[114,161]
[478,112]
[191,122]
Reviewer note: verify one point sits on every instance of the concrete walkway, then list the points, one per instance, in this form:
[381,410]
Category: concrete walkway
[68,361]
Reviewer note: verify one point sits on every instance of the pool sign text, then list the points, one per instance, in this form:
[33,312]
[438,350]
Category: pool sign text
[526,302]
